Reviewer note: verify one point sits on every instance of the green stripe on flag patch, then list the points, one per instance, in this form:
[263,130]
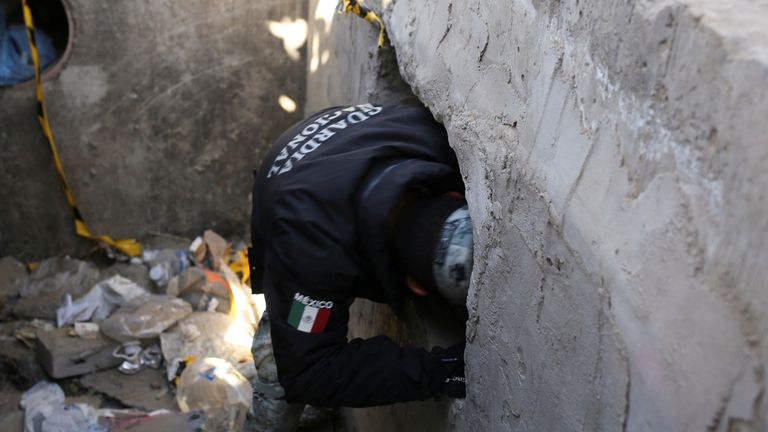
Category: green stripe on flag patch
[309,315]
[297,310]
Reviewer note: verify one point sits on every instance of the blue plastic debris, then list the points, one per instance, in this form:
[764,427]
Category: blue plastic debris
[16,64]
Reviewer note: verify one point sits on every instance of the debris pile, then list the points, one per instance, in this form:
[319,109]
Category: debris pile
[161,342]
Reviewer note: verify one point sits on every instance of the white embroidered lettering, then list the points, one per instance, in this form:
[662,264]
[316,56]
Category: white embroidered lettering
[309,146]
[356,117]
[309,130]
[324,135]
[294,150]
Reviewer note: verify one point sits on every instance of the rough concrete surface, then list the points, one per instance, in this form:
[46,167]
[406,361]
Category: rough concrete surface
[160,111]
[615,158]
[615,161]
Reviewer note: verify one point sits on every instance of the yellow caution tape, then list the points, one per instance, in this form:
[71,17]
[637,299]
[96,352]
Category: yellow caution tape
[129,247]
[356,7]
[240,265]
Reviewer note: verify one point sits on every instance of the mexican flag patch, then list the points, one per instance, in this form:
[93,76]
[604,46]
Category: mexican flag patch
[309,315]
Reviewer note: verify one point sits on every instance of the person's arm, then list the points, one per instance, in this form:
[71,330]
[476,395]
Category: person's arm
[308,282]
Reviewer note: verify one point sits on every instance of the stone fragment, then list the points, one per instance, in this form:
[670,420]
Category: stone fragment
[50,282]
[146,390]
[64,356]
[12,272]
[13,422]
[18,367]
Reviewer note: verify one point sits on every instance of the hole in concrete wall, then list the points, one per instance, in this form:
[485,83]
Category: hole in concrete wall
[53,39]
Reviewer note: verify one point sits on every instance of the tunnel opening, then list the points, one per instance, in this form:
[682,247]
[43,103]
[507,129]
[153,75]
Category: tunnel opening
[53,36]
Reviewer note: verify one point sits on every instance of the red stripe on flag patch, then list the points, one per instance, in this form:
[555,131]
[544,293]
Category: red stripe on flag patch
[321,320]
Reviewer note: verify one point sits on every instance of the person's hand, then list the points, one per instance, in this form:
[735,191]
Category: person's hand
[447,371]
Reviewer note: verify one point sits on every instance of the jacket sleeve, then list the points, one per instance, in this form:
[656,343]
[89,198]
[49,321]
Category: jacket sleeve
[309,283]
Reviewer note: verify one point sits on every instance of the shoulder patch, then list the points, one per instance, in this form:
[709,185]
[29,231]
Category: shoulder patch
[309,315]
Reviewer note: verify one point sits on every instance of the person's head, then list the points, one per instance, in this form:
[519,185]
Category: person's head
[433,243]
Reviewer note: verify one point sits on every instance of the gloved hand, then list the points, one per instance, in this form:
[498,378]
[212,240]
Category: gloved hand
[446,371]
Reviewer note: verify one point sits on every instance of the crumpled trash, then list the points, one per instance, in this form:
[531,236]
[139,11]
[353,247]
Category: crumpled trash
[101,301]
[219,249]
[45,411]
[86,330]
[210,334]
[60,274]
[28,333]
[15,58]
[211,250]
[165,264]
[214,386]
[130,352]
[135,359]
[203,289]
[146,321]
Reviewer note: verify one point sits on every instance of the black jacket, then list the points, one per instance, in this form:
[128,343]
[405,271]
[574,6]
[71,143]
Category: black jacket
[320,206]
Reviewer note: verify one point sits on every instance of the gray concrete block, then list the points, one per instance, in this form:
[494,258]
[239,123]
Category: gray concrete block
[64,356]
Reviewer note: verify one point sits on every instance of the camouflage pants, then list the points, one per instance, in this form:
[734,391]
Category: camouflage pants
[269,411]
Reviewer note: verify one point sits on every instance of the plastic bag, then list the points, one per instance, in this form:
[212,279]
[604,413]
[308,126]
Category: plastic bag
[146,321]
[165,264]
[60,275]
[210,334]
[101,300]
[15,59]
[216,387]
[45,411]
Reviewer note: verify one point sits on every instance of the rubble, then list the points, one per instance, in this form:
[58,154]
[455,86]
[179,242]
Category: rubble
[211,334]
[101,301]
[12,274]
[12,422]
[138,273]
[121,337]
[203,289]
[64,356]
[49,284]
[17,366]
[216,387]
[146,390]
[45,410]
[147,321]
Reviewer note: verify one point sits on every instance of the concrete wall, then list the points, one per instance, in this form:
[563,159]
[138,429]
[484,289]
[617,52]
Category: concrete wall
[616,161]
[160,112]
